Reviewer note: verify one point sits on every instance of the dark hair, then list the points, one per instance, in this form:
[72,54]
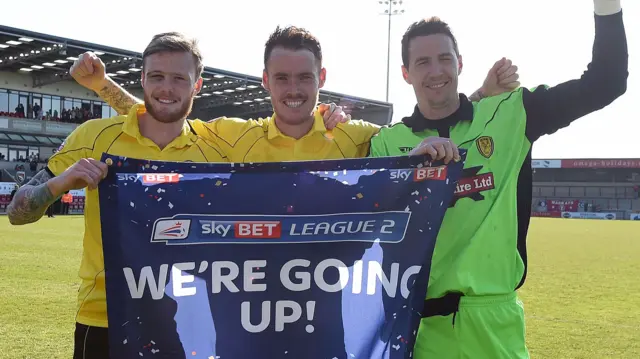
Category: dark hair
[425,27]
[292,38]
[174,42]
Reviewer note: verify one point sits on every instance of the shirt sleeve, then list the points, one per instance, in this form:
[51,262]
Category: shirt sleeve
[225,132]
[78,145]
[552,108]
[378,147]
[361,132]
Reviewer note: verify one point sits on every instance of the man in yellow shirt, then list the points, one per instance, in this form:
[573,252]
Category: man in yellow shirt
[157,130]
[293,75]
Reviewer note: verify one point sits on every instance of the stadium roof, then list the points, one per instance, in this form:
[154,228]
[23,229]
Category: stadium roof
[48,58]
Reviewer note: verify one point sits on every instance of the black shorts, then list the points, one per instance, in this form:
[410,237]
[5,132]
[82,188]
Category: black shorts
[90,342]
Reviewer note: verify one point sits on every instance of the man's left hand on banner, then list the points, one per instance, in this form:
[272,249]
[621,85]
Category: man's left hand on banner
[333,115]
[438,148]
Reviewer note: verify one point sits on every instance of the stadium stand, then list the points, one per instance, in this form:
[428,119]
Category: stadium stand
[587,188]
[40,104]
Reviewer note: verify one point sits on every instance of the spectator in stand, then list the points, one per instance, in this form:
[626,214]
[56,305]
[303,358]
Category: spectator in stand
[36,111]
[20,110]
[33,164]
[13,193]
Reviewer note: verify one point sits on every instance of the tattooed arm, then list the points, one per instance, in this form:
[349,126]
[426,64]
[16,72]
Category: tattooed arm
[117,97]
[89,71]
[477,96]
[31,200]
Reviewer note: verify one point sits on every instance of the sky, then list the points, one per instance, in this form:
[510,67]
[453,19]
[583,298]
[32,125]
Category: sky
[549,40]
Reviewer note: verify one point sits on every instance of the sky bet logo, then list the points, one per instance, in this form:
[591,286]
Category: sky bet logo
[383,227]
[420,174]
[150,178]
[242,229]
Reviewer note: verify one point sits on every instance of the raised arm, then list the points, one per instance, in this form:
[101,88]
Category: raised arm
[552,108]
[89,71]
[502,77]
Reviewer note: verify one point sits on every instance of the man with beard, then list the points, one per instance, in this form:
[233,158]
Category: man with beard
[480,258]
[293,75]
[157,130]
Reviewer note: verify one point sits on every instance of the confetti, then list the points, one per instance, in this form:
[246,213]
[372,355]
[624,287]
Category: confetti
[359,195]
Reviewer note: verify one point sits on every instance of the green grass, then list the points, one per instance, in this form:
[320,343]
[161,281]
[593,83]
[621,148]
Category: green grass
[582,295]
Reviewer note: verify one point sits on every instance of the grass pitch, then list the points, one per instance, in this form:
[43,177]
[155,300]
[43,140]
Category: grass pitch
[582,295]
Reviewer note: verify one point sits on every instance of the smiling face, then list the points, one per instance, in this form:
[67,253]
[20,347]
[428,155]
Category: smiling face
[433,69]
[170,84]
[293,79]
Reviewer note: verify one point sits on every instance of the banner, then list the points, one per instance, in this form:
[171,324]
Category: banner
[602,163]
[546,163]
[7,187]
[589,215]
[546,214]
[320,259]
[554,205]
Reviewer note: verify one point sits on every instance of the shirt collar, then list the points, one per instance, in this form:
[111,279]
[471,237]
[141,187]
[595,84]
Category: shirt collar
[418,123]
[318,126]
[130,127]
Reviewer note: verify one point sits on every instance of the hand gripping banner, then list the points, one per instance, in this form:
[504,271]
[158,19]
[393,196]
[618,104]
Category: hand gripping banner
[320,259]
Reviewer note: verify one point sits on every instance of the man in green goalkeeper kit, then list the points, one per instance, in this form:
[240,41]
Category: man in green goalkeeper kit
[472,309]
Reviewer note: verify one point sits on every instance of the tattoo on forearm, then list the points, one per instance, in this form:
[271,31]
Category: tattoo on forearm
[31,200]
[118,98]
[477,96]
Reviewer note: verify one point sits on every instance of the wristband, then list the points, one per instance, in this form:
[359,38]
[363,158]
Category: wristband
[606,7]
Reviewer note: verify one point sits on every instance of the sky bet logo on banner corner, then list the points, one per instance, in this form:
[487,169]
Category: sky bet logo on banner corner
[318,259]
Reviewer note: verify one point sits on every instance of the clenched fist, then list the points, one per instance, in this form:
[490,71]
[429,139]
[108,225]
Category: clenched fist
[438,148]
[89,71]
[87,172]
[502,77]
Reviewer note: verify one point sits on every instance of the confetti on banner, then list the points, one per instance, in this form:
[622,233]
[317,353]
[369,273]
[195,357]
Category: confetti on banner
[315,260]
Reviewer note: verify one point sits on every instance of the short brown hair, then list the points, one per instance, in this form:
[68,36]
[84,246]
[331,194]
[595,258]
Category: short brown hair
[292,38]
[425,27]
[175,42]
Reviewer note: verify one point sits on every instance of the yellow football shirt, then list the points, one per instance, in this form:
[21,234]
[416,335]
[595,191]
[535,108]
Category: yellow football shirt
[261,141]
[118,136]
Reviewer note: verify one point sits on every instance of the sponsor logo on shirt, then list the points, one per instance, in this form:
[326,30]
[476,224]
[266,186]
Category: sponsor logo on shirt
[472,184]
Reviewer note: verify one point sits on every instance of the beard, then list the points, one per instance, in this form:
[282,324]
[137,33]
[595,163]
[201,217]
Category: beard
[168,117]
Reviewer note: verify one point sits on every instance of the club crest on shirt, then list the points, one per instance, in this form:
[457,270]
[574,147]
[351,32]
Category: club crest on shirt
[485,146]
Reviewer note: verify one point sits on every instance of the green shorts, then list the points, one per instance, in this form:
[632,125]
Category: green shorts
[489,327]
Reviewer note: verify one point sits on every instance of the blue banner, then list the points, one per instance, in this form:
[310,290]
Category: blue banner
[314,260]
